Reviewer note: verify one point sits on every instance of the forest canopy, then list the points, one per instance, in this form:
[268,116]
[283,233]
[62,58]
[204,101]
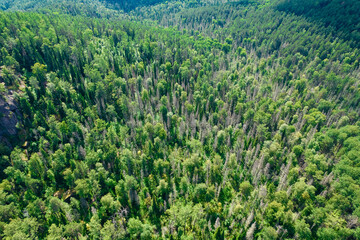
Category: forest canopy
[179,119]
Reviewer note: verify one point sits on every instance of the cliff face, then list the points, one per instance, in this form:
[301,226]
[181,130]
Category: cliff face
[9,114]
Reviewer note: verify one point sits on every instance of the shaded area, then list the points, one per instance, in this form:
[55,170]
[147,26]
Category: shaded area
[341,15]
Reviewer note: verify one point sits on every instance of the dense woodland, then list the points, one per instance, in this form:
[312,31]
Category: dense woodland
[181,120]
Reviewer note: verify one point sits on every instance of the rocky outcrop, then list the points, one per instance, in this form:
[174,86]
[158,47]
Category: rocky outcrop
[9,114]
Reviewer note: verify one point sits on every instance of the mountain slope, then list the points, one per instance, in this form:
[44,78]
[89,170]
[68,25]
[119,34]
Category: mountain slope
[29,5]
[341,15]
[199,121]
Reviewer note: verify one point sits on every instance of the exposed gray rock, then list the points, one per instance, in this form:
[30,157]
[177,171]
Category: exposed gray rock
[9,114]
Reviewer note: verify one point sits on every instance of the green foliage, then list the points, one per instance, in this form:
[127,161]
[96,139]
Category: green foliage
[26,228]
[184,120]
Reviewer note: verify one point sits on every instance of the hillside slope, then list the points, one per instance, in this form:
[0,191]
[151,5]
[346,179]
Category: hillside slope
[197,121]
[30,5]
